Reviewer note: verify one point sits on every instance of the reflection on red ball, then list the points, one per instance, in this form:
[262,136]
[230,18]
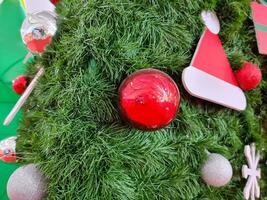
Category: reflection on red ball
[19,85]
[149,99]
[248,76]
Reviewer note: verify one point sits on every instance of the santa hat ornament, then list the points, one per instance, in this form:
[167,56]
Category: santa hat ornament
[259,15]
[8,150]
[209,75]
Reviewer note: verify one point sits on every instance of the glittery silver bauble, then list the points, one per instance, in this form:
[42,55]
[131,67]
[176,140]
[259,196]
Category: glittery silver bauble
[217,170]
[38,29]
[26,183]
[45,20]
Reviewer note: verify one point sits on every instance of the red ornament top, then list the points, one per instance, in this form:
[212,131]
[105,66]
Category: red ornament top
[149,99]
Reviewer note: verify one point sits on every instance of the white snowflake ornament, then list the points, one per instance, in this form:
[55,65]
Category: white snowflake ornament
[251,172]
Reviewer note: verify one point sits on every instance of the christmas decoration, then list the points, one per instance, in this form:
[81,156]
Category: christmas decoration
[251,172]
[259,15]
[72,124]
[217,170]
[38,29]
[24,97]
[211,21]
[248,76]
[149,99]
[27,183]
[210,76]
[8,149]
[19,85]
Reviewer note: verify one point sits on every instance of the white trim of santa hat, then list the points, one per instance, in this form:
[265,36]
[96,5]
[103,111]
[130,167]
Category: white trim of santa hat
[209,75]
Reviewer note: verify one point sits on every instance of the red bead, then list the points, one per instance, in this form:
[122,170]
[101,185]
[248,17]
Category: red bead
[248,76]
[19,85]
[149,99]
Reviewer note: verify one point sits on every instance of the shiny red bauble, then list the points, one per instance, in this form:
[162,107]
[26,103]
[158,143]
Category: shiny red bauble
[20,84]
[149,99]
[248,76]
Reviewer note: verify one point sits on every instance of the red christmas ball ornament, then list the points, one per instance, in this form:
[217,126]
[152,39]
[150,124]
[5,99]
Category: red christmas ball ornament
[248,76]
[149,99]
[19,85]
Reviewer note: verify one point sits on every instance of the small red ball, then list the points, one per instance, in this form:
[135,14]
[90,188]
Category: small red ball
[19,85]
[149,99]
[248,76]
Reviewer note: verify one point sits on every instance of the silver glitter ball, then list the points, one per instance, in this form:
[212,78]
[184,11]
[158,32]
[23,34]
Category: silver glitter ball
[217,170]
[27,183]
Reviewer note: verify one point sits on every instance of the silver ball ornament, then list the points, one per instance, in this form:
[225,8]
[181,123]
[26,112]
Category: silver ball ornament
[26,183]
[217,170]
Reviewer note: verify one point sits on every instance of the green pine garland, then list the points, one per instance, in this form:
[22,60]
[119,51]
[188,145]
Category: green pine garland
[72,125]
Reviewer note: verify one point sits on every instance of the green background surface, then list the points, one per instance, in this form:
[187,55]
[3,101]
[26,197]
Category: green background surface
[12,53]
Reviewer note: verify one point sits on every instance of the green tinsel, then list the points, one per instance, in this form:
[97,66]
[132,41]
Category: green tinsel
[72,125]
